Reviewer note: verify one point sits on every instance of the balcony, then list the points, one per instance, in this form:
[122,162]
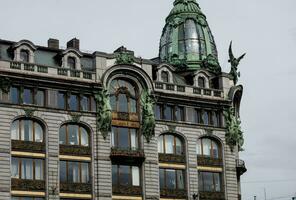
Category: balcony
[207,161]
[75,150]
[127,155]
[127,190]
[49,71]
[171,158]
[211,195]
[173,193]
[81,188]
[194,91]
[240,167]
[27,185]
[27,146]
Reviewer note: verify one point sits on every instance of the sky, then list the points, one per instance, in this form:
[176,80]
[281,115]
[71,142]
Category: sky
[264,29]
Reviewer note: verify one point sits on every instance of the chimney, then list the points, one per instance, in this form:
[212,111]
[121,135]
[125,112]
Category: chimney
[53,43]
[74,43]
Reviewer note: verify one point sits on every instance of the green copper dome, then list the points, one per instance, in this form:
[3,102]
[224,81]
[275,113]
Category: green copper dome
[187,41]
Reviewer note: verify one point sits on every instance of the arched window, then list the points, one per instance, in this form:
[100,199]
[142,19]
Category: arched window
[27,130]
[73,134]
[71,63]
[24,55]
[201,82]
[208,147]
[123,96]
[165,76]
[170,144]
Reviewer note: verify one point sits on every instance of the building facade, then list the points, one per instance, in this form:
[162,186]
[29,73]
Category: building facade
[77,125]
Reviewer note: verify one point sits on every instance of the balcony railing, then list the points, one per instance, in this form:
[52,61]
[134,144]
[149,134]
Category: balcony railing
[127,155]
[211,195]
[19,145]
[127,190]
[240,167]
[84,188]
[206,92]
[171,158]
[207,161]
[49,70]
[27,185]
[173,193]
[74,150]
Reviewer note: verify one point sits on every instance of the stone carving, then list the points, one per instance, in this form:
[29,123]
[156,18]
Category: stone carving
[148,119]
[75,117]
[211,63]
[234,134]
[124,56]
[104,114]
[5,84]
[234,64]
[29,112]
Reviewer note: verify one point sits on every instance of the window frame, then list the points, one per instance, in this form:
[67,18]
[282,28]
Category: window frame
[80,171]
[176,179]
[174,144]
[201,181]
[79,134]
[21,125]
[130,178]
[116,137]
[211,150]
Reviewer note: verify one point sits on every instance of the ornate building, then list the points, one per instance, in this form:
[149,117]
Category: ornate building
[77,125]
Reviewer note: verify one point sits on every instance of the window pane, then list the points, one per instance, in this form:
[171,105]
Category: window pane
[84,137]
[201,82]
[38,132]
[134,139]
[170,179]
[61,100]
[84,173]
[14,168]
[169,144]
[215,150]
[113,102]
[93,104]
[161,178]
[113,135]
[73,134]
[122,101]
[180,113]
[168,113]
[63,171]
[114,175]
[26,130]
[24,56]
[180,179]
[208,181]
[15,130]
[158,111]
[198,147]
[165,76]
[38,170]
[179,148]
[133,105]
[205,118]
[27,169]
[136,176]
[85,103]
[28,96]
[62,135]
[190,112]
[160,144]
[124,175]
[190,29]
[192,46]
[206,147]
[40,98]
[123,139]
[14,95]
[73,172]
[73,102]
[217,182]
[71,63]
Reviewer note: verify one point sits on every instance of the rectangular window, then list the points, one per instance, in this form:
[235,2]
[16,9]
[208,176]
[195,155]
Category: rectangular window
[15,171]
[74,172]
[40,98]
[93,104]
[73,102]
[27,96]
[85,103]
[125,138]
[135,176]
[179,113]
[191,114]
[210,182]
[27,169]
[63,171]
[124,175]
[169,112]
[15,95]
[172,179]
[158,111]
[61,100]
[39,170]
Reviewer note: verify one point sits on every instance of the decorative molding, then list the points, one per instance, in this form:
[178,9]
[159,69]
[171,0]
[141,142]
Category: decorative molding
[75,117]
[210,169]
[29,112]
[5,84]
[28,154]
[169,165]
[78,158]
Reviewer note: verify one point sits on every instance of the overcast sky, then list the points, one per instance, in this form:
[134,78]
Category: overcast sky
[264,29]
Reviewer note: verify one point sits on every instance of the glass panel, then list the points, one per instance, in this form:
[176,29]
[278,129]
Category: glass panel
[38,132]
[192,46]
[179,148]
[93,104]
[180,179]
[158,111]
[26,130]
[136,176]
[73,134]
[181,46]
[24,56]
[180,113]
[27,168]
[134,139]
[114,175]
[28,96]
[161,178]
[217,182]
[133,105]
[200,181]
[201,82]
[14,95]
[164,76]
[61,100]
[73,172]
[122,101]
[40,98]
[15,130]
[38,170]
[113,102]
[190,112]
[160,144]
[113,135]
[168,113]
[85,103]
[170,179]
[73,102]
[206,147]
[84,137]
[63,171]
[205,118]
[208,181]
[71,63]
[84,173]
[124,172]
[215,150]
[198,147]
[62,135]
[169,144]
[190,29]
[123,138]
[181,35]
[15,168]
